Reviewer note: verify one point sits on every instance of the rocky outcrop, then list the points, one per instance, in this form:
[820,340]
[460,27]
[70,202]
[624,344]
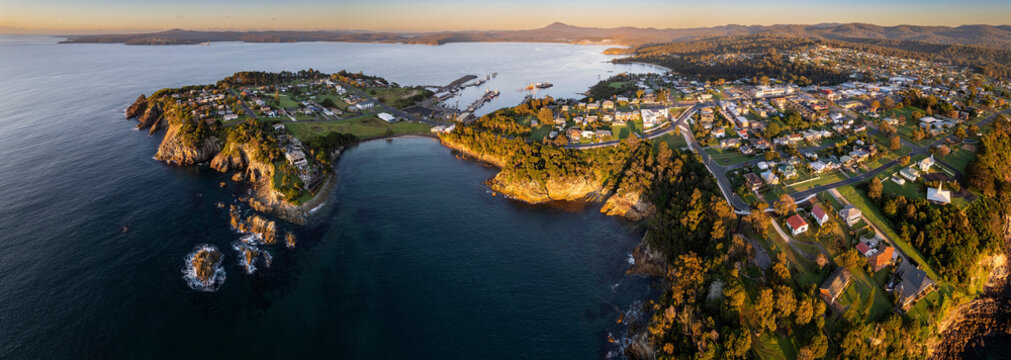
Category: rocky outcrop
[254,224]
[137,108]
[647,261]
[631,206]
[205,263]
[289,240]
[151,117]
[640,349]
[475,153]
[554,189]
[176,149]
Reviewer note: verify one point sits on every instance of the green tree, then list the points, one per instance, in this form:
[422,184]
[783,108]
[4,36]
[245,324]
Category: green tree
[785,205]
[874,189]
[895,143]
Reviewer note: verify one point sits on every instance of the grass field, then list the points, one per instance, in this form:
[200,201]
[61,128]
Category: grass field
[365,127]
[727,157]
[540,132]
[959,159]
[284,101]
[910,189]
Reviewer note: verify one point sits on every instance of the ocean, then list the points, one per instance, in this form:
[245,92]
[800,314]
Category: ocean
[410,257]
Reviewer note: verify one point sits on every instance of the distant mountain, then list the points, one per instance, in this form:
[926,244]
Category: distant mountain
[981,35]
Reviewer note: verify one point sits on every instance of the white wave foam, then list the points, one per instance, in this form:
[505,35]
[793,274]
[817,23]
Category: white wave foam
[190,272]
[631,259]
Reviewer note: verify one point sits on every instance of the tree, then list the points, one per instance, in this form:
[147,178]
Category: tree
[874,189]
[763,309]
[735,296]
[942,150]
[773,129]
[895,143]
[822,260]
[771,155]
[785,205]
[875,105]
[804,311]
[785,301]
[545,116]
[851,259]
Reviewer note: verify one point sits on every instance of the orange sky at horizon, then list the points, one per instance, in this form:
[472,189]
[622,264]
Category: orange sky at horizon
[138,16]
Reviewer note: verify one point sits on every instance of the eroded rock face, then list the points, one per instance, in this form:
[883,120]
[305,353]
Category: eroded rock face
[648,261]
[631,206]
[255,224]
[151,117]
[174,149]
[137,108]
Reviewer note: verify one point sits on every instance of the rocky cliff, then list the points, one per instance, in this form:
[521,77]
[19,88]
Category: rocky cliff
[176,148]
[137,108]
[631,206]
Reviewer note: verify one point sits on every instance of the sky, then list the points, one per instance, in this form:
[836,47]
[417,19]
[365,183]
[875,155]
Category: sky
[105,16]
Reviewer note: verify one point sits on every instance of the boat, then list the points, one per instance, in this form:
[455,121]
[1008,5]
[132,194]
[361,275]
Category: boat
[544,85]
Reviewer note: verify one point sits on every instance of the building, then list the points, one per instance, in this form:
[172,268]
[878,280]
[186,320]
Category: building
[881,259]
[754,182]
[910,174]
[925,164]
[835,285]
[938,195]
[850,214]
[653,117]
[797,224]
[819,215]
[386,117]
[770,178]
[865,249]
[914,286]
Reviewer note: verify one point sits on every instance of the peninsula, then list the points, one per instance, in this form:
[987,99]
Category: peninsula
[802,199]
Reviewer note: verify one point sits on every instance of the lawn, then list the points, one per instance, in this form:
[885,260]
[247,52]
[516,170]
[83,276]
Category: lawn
[869,298]
[540,132]
[390,95]
[286,102]
[364,127]
[727,157]
[910,189]
[823,179]
[959,159]
[774,346]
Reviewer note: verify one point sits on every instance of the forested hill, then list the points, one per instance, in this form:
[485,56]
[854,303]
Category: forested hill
[982,35]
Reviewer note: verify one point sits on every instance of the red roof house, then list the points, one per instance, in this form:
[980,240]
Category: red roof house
[797,224]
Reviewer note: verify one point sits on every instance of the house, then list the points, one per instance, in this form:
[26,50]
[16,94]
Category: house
[574,134]
[881,259]
[770,178]
[865,249]
[914,285]
[819,214]
[797,224]
[754,182]
[938,195]
[835,285]
[230,117]
[720,133]
[607,105]
[925,164]
[910,174]
[817,166]
[788,171]
[730,143]
[850,214]
[653,117]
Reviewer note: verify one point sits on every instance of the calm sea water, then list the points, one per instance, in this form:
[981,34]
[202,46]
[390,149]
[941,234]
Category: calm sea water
[411,258]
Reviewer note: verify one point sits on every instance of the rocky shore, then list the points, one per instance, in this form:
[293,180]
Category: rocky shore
[982,319]
[585,187]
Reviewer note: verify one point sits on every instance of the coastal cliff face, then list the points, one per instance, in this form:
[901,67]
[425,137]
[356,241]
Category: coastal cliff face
[175,149]
[632,206]
[647,261]
[137,108]
[554,189]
